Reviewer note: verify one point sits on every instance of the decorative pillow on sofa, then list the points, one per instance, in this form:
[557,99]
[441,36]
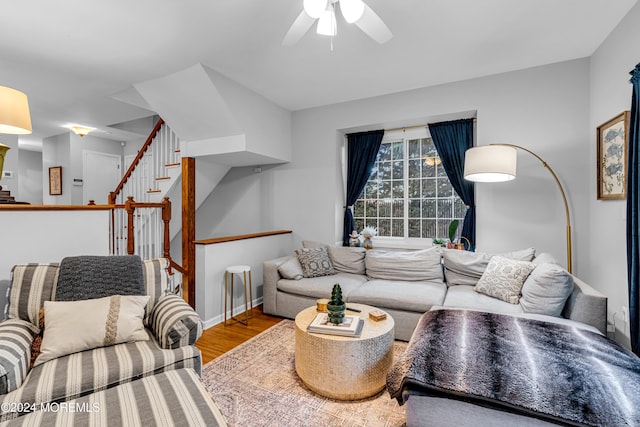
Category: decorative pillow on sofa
[503,278]
[291,269]
[315,262]
[546,290]
[466,268]
[411,265]
[347,259]
[73,326]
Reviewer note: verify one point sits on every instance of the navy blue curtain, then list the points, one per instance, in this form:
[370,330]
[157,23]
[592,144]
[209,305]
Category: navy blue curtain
[362,152]
[452,139]
[633,211]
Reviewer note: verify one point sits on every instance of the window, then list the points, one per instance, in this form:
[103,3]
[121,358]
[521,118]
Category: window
[408,194]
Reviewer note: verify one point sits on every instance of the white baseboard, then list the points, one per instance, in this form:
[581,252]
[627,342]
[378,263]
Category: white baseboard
[236,310]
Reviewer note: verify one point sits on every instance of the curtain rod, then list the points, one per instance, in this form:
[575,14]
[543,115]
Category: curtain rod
[414,127]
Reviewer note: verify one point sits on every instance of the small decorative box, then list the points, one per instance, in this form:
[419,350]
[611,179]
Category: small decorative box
[377,315]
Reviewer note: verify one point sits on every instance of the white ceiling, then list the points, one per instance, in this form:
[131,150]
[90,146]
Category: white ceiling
[70,56]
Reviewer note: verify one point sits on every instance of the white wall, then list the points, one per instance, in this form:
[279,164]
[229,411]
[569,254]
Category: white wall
[213,259]
[66,150]
[30,172]
[544,109]
[610,95]
[56,152]
[48,236]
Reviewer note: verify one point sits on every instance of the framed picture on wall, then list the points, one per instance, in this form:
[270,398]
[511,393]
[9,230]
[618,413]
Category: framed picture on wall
[55,180]
[612,138]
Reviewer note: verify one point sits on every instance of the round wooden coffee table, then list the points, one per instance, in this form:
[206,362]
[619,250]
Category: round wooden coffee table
[344,368]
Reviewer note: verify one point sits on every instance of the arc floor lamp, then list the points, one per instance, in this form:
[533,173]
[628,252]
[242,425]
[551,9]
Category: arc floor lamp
[497,163]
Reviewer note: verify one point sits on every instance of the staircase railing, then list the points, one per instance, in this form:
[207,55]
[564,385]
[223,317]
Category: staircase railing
[139,230]
[142,228]
[160,151]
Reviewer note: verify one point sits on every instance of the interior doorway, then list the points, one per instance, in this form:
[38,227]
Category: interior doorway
[101,174]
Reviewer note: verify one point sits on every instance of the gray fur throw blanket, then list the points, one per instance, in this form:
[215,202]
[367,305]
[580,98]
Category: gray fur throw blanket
[89,277]
[551,371]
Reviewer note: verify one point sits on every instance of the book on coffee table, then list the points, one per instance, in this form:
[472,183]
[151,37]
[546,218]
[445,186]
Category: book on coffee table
[351,326]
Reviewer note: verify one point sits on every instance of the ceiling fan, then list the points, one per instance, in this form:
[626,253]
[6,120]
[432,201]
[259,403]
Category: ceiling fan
[353,11]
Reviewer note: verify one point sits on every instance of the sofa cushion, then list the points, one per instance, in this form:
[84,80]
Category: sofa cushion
[503,278]
[312,244]
[16,336]
[464,296]
[546,290]
[315,262]
[31,286]
[347,259]
[87,277]
[320,287]
[543,258]
[291,269]
[78,374]
[409,266]
[72,326]
[466,268]
[418,296]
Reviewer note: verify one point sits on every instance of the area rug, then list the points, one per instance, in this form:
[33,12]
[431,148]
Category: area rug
[255,384]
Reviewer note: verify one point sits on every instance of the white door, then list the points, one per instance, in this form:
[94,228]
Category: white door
[101,174]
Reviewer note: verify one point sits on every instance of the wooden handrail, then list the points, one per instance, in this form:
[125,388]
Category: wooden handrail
[20,207]
[127,175]
[240,237]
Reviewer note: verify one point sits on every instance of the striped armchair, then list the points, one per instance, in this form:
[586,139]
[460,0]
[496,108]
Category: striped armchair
[172,325]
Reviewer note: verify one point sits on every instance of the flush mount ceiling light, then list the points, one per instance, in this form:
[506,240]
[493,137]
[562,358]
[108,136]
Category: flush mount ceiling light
[81,130]
[353,11]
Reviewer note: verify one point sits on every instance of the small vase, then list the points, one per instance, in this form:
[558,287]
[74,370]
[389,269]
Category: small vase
[336,313]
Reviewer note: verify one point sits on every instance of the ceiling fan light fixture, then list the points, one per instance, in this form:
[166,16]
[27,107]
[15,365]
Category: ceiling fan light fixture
[352,10]
[327,23]
[315,8]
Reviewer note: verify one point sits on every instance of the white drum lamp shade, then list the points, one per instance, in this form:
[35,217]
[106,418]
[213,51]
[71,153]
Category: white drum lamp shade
[14,112]
[490,163]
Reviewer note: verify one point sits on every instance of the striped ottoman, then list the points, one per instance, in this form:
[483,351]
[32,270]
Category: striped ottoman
[173,398]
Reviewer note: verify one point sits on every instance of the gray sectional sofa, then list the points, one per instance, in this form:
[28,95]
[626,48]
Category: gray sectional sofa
[406,284]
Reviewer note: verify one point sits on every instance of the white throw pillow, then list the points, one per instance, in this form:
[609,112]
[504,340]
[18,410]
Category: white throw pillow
[503,278]
[291,269]
[546,290]
[73,326]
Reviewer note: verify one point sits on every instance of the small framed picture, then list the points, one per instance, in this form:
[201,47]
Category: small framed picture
[55,180]
[612,138]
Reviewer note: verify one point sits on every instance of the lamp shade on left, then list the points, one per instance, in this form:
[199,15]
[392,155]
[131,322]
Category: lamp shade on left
[14,112]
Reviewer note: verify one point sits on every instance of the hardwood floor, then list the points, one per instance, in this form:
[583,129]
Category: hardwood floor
[219,339]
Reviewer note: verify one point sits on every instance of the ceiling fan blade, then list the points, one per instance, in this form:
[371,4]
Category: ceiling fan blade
[298,29]
[373,26]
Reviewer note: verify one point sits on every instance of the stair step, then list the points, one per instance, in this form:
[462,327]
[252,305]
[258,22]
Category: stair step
[163,178]
[168,165]
[151,190]
[177,151]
